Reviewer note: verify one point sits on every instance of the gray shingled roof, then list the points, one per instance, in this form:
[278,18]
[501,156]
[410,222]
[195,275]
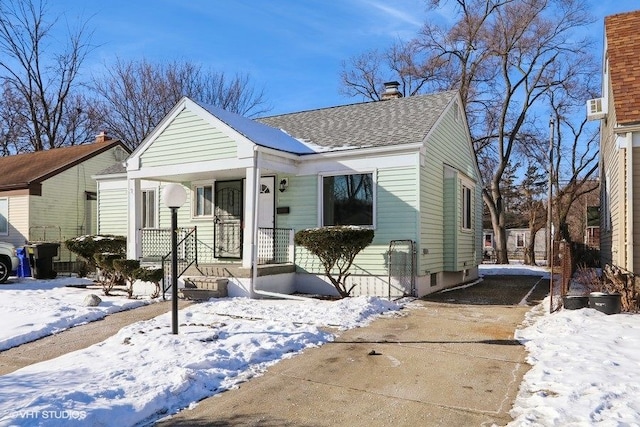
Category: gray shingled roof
[370,124]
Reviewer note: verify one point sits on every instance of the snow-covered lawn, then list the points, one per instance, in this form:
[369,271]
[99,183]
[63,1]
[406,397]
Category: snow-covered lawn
[585,364]
[144,372]
[32,309]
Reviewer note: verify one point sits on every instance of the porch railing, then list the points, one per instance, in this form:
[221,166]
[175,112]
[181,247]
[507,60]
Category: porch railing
[275,245]
[156,242]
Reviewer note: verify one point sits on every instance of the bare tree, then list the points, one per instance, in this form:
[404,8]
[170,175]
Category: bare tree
[134,96]
[41,80]
[12,122]
[503,56]
[575,148]
[532,207]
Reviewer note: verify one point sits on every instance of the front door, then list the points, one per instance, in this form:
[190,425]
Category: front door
[228,219]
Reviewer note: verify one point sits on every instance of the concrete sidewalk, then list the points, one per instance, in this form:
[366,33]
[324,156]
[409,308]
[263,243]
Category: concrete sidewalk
[438,364]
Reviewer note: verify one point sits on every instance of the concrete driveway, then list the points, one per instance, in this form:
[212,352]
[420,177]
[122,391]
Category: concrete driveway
[448,360]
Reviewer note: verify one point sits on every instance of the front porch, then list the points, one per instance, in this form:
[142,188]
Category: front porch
[198,267]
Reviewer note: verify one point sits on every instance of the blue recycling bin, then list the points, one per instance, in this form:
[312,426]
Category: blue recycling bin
[24,269]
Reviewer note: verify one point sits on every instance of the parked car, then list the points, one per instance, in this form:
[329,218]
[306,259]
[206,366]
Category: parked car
[8,260]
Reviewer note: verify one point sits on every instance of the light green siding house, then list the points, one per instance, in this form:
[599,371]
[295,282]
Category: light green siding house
[51,196]
[403,166]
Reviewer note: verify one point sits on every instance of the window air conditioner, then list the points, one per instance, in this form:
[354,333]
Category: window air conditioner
[596,109]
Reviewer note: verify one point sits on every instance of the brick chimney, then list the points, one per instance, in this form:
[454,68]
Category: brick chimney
[102,137]
[391,91]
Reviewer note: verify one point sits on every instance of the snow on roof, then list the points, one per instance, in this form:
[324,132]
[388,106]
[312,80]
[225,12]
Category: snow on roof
[259,133]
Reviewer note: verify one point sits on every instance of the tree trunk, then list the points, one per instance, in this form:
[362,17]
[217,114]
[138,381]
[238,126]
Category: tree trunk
[499,230]
[530,250]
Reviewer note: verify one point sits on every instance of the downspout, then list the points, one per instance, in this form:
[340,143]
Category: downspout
[254,237]
[629,203]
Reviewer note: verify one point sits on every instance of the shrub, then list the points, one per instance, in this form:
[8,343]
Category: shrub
[109,277]
[336,247]
[86,247]
[126,269]
[153,275]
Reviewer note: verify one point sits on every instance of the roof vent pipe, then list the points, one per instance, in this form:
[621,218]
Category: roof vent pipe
[391,91]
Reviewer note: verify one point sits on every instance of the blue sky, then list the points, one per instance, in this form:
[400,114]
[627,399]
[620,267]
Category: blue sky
[291,48]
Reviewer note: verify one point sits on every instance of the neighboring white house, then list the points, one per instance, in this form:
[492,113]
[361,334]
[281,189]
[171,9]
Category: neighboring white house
[50,195]
[403,166]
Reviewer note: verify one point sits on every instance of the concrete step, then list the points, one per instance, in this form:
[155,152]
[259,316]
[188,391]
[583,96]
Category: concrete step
[206,282]
[204,287]
[195,294]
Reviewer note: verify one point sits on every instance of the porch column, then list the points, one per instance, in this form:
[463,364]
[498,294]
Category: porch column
[250,212]
[134,251]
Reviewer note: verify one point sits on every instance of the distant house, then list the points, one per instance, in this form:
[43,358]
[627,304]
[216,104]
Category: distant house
[619,113]
[403,166]
[517,241]
[50,195]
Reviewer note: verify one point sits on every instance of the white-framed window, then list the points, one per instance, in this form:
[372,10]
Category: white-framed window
[203,200]
[348,199]
[520,240]
[488,240]
[149,203]
[4,216]
[467,208]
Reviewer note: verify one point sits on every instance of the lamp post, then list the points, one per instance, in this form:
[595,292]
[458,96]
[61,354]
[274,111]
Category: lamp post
[174,197]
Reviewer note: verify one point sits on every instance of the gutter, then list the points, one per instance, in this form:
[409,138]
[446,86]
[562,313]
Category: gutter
[254,238]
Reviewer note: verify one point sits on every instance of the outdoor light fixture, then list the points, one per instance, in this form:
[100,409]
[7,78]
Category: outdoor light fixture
[174,197]
[284,183]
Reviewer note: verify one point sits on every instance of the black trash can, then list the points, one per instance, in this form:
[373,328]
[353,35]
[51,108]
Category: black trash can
[41,257]
[606,303]
[575,302]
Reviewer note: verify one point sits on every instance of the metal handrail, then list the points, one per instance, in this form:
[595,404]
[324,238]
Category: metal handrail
[187,245]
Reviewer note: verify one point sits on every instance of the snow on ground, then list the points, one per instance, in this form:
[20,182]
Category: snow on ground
[513,269]
[585,369]
[32,309]
[144,372]
[585,364]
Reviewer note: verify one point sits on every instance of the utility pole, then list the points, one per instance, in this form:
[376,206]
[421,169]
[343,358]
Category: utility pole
[549,217]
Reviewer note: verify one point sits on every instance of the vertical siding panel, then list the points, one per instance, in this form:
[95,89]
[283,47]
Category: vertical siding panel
[611,158]
[451,219]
